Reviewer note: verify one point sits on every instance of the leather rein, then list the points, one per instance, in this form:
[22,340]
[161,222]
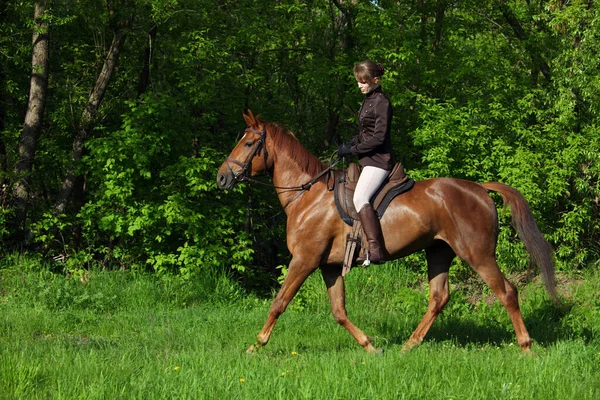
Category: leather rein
[260,144]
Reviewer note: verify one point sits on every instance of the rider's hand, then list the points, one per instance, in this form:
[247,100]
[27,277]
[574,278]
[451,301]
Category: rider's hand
[345,150]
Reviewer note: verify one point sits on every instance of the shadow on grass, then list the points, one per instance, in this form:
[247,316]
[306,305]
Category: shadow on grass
[546,325]
[549,324]
[452,329]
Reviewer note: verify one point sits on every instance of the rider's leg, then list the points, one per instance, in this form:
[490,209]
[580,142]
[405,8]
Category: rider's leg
[369,182]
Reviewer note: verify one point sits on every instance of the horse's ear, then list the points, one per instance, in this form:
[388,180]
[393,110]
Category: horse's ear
[249,117]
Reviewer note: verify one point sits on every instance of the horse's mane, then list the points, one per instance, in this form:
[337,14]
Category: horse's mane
[285,141]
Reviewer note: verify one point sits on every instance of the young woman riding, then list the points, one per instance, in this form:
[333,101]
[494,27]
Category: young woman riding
[373,147]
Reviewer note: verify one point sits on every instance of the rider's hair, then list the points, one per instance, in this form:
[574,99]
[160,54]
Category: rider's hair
[367,70]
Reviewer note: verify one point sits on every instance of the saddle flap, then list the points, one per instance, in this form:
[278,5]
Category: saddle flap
[352,175]
[397,174]
[397,177]
[345,184]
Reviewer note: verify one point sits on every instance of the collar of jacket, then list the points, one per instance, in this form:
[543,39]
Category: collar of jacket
[372,92]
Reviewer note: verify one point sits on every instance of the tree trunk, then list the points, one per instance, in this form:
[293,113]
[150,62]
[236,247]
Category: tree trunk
[440,12]
[345,24]
[144,81]
[34,116]
[3,161]
[538,62]
[422,7]
[87,118]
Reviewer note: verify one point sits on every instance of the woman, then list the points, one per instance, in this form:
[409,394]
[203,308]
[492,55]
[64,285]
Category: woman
[373,146]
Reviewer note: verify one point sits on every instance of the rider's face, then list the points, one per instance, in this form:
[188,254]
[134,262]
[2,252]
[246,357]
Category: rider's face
[368,85]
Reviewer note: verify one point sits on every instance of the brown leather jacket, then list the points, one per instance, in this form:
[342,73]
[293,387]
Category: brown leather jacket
[373,144]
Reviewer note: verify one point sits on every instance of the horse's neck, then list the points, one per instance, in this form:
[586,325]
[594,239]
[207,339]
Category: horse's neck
[288,174]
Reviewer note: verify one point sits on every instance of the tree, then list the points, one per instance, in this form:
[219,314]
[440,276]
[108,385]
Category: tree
[119,24]
[141,111]
[539,64]
[35,113]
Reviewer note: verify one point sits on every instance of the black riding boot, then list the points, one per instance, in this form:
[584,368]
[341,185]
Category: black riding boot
[372,228]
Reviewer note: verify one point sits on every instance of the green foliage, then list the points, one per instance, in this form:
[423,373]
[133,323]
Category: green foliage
[156,199]
[469,101]
[33,282]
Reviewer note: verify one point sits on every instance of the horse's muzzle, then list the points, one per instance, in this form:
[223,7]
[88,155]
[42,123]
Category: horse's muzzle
[225,180]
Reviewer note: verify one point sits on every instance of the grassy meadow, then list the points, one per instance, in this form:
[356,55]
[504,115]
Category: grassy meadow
[128,335]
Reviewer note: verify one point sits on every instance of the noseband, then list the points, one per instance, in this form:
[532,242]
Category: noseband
[260,144]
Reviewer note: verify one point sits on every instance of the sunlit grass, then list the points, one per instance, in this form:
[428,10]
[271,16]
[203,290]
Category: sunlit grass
[127,337]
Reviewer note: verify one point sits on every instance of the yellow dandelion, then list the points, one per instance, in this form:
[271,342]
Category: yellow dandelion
[242,380]
[294,353]
[177,368]
[283,374]
[363,363]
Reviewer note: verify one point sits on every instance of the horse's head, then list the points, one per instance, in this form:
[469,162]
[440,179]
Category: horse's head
[248,157]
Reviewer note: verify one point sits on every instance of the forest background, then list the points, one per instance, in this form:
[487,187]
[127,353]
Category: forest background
[116,116]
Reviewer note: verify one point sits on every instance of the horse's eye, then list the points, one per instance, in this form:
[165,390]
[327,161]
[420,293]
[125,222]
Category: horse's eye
[249,144]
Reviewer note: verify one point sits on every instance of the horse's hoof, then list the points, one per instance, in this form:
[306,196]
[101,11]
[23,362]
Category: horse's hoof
[251,350]
[526,351]
[408,346]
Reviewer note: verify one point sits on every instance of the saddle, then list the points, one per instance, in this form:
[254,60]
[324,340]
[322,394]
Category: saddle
[343,191]
[396,183]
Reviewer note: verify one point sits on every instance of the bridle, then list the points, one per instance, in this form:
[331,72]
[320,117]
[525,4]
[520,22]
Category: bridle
[260,144]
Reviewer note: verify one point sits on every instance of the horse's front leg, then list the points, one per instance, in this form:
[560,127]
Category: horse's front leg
[299,269]
[337,296]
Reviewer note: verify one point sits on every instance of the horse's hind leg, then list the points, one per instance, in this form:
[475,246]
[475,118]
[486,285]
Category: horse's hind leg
[439,258]
[336,290]
[507,294]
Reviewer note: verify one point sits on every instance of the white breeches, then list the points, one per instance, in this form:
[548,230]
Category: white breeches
[368,183]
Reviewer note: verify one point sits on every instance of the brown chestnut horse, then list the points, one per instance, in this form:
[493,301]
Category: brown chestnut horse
[445,217]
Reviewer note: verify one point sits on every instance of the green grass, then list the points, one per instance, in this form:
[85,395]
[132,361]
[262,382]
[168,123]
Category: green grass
[128,336]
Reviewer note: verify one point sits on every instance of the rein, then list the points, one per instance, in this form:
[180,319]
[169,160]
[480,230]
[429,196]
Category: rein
[243,175]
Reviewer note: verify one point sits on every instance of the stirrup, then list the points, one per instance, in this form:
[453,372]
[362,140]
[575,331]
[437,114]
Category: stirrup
[367,261]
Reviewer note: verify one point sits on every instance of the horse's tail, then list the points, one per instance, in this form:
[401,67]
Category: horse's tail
[528,231]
